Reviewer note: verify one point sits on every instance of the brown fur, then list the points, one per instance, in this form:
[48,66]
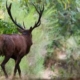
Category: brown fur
[14,46]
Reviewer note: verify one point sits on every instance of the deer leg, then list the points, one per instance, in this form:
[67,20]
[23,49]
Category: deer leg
[3,65]
[19,70]
[17,67]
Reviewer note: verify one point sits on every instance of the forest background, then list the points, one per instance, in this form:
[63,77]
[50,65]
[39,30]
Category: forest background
[56,43]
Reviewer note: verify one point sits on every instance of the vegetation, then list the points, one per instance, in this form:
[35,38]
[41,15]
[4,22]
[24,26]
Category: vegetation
[58,34]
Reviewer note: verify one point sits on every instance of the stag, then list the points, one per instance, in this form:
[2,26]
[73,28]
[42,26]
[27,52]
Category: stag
[16,46]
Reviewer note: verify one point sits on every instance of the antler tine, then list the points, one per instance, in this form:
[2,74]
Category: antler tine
[40,12]
[8,8]
[35,8]
[9,12]
[42,9]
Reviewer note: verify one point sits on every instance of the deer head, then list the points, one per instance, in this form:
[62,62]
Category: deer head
[22,29]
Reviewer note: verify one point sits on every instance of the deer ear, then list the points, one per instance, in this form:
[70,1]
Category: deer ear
[20,30]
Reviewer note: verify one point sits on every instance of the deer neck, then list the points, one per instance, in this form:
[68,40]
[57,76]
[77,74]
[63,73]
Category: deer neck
[28,40]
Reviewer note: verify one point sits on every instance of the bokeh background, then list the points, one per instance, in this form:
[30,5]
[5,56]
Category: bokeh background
[55,53]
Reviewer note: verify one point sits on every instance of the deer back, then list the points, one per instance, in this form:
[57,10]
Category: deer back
[14,44]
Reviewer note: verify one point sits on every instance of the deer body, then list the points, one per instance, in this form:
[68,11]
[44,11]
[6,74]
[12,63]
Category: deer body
[16,46]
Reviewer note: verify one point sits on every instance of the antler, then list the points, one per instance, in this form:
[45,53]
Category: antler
[9,12]
[40,12]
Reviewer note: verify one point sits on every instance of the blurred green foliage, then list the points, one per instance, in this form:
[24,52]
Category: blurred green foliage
[64,32]
[7,28]
[64,22]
